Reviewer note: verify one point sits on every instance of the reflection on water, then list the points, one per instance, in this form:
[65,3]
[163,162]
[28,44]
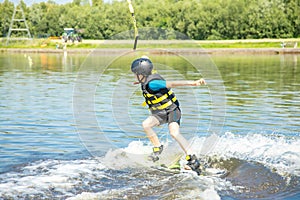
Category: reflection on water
[40,62]
[262,92]
[36,116]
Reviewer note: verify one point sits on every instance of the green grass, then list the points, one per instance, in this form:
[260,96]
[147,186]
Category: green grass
[35,43]
[242,45]
[43,44]
[48,44]
[196,44]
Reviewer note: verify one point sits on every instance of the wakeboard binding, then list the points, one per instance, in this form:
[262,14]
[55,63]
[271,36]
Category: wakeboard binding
[155,154]
[193,163]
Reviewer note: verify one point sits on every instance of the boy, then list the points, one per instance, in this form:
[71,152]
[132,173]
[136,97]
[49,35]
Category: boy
[164,108]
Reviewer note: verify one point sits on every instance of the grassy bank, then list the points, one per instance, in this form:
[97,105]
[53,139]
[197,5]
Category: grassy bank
[44,44]
[213,44]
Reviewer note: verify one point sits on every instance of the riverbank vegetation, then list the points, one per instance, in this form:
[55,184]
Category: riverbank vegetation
[176,44]
[194,19]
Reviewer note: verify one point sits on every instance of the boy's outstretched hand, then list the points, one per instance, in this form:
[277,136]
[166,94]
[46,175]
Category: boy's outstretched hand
[199,82]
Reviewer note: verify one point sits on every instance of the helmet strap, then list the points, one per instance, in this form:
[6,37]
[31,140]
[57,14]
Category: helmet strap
[141,80]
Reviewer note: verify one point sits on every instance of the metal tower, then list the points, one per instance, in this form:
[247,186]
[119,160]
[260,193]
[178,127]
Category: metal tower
[16,24]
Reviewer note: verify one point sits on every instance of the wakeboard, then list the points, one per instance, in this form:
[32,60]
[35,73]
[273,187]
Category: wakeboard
[176,168]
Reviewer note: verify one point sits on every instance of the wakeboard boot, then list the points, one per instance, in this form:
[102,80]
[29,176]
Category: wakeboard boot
[156,152]
[193,163]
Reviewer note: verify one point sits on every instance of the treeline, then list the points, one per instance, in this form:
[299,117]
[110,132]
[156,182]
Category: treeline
[197,19]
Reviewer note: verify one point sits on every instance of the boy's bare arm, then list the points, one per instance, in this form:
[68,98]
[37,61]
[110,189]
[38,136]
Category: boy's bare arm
[171,84]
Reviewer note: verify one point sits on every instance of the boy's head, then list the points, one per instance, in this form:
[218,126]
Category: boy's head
[142,66]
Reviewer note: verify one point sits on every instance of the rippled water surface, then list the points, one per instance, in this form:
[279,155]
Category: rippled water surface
[70,127]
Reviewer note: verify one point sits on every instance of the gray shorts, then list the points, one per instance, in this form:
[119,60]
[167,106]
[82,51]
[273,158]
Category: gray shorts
[166,116]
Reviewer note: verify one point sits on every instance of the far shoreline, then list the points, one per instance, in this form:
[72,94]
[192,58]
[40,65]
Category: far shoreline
[248,46]
[157,50]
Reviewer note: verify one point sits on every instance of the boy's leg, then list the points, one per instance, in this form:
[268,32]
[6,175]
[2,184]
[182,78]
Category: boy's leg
[175,133]
[148,124]
[193,161]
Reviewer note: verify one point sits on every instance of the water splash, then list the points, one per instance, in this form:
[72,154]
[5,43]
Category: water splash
[260,166]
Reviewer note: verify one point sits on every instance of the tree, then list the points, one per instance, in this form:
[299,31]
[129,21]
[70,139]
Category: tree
[97,3]
[292,10]
[197,19]
[6,12]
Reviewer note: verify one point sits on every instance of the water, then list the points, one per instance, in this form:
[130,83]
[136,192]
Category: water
[70,127]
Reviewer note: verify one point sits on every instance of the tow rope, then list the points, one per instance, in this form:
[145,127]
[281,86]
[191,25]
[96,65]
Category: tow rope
[136,33]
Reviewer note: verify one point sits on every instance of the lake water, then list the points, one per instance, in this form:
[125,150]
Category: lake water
[70,126]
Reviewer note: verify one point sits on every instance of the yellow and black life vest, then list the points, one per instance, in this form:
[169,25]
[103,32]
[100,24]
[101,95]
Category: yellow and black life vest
[164,99]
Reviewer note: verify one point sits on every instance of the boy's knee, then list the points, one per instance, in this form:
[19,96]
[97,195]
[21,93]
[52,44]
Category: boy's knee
[174,134]
[146,125]
[174,129]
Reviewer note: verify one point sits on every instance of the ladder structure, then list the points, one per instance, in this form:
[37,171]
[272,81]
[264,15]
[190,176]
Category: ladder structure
[18,24]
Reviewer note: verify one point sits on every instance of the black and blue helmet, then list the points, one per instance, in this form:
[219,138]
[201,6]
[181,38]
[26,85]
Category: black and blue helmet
[142,66]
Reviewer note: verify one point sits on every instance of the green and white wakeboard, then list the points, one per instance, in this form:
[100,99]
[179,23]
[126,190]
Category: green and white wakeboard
[176,168]
[171,161]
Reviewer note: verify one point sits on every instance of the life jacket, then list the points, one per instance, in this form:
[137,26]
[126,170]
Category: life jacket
[163,99]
